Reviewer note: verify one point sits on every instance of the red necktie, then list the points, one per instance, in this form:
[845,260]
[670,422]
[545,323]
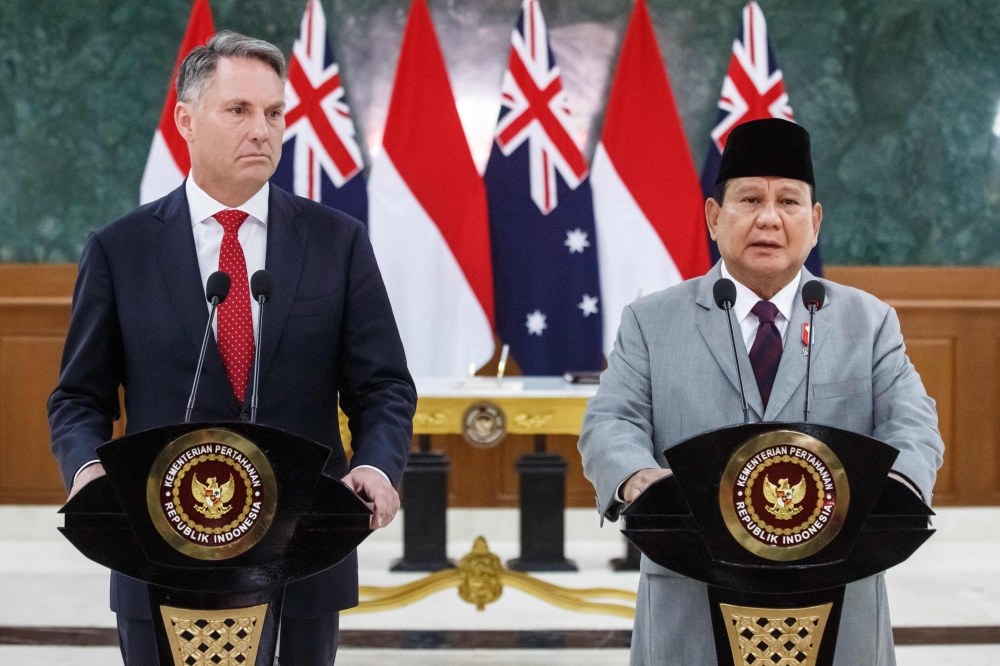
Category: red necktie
[765,354]
[235,327]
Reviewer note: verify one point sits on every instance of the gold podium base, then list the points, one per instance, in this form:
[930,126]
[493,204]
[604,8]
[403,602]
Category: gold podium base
[775,636]
[214,638]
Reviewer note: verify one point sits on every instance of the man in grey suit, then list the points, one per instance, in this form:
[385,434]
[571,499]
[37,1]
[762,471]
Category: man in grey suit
[671,376]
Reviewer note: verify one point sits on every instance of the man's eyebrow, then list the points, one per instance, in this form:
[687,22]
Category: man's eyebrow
[237,101]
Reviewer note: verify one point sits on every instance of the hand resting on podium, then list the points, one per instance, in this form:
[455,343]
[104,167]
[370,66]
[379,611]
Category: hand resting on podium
[86,474]
[374,488]
[633,486]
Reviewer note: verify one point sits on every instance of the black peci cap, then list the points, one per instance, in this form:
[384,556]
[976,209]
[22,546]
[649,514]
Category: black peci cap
[767,147]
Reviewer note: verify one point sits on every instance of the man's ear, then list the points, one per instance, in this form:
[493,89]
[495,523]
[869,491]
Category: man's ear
[712,211]
[184,120]
[817,220]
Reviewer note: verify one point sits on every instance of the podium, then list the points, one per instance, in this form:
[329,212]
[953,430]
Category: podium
[216,518]
[777,518]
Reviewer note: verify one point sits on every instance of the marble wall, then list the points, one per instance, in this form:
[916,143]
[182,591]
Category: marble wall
[901,97]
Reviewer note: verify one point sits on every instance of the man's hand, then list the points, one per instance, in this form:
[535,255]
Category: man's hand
[86,475]
[640,481]
[372,487]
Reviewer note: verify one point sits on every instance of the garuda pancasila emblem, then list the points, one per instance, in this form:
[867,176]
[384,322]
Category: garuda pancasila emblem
[783,497]
[212,497]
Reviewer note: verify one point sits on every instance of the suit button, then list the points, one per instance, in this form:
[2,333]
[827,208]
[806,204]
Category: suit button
[245,418]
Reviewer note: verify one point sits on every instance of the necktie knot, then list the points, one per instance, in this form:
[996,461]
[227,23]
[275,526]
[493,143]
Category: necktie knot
[231,219]
[766,312]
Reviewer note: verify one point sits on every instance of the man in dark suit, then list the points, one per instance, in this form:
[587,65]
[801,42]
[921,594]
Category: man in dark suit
[139,311]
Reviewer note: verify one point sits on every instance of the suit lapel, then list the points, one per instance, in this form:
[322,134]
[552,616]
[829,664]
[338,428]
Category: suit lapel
[286,246]
[178,262]
[714,329]
[792,369]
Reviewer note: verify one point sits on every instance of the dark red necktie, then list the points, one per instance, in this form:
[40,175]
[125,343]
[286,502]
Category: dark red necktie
[235,327]
[765,354]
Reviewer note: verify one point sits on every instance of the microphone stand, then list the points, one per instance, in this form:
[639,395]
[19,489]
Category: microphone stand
[809,358]
[201,361]
[256,358]
[739,374]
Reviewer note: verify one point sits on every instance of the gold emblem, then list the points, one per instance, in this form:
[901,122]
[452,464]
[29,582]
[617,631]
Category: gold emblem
[196,514]
[784,498]
[799,515]
[211,497]
[484,425]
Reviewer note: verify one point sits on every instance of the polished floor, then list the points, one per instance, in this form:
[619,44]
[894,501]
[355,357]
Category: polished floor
[953,581]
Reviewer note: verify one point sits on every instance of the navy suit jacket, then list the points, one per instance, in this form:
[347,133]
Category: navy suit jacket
[139,313]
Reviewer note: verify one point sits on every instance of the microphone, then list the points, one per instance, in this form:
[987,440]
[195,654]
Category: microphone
[813,295]
[261,284]
[215,291]
[725,297]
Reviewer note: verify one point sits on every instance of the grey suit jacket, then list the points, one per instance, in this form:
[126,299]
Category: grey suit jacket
[671,376]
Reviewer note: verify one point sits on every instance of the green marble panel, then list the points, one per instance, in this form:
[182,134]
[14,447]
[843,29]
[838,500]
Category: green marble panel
[901,97]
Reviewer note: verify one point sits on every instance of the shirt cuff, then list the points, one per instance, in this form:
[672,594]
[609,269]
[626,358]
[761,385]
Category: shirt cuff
[384,475]
[85,466]
[906,482]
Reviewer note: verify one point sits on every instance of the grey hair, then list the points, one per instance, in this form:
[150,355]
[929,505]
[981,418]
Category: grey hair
[199,65]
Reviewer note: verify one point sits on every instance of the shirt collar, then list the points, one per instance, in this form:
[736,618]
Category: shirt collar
[204,206]
[746,299]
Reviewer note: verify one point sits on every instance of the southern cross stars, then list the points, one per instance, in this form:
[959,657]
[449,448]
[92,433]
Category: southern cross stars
[536,323]
[576,241]
[588,305]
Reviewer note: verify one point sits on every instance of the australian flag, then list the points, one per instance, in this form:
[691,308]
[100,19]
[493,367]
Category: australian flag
[320,157]
[754,88]
[541,210]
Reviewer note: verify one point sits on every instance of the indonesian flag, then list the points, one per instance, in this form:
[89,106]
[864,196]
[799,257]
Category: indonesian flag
[427,216]
[168,163]
[647,200]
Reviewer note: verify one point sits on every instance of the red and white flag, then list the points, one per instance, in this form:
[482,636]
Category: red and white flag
[168,163]
[647,200]
[428,217]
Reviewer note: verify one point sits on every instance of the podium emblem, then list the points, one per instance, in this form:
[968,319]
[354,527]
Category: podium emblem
[211,494]
[784,495]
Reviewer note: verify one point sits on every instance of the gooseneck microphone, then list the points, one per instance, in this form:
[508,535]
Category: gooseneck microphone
[725,297]
[813,295]
[215,291]
[261,284]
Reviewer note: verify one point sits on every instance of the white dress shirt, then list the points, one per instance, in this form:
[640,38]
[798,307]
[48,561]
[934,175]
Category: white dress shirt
[208,234]
[746,300]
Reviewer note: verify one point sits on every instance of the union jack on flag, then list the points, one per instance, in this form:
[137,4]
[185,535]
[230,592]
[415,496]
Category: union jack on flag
[542,231]
[754,88]
[321,159]
[535,109]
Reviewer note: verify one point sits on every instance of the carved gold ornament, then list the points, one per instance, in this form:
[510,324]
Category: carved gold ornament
[480,578]
[214,638]
[481,572]
[775,636]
